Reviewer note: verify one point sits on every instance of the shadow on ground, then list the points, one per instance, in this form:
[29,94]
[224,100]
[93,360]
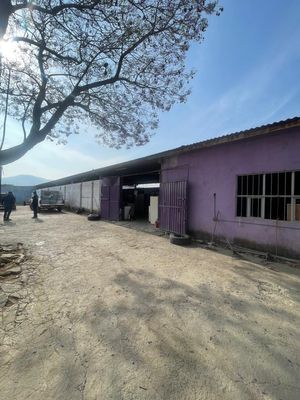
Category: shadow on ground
[154,338]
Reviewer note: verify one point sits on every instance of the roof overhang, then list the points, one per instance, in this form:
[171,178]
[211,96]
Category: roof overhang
[152,163]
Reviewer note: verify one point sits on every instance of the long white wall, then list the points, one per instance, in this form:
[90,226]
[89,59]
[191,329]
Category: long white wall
[81,195]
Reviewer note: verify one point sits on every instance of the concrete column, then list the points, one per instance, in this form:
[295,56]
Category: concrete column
[80,196]
[92,196]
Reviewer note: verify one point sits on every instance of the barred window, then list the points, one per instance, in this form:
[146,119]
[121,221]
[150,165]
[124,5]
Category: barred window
[273,196]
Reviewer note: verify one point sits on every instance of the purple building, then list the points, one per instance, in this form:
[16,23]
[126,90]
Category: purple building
[243,187]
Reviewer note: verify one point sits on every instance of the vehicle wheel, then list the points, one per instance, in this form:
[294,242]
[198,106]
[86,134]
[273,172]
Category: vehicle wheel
[180,240]
[93,217]
[59,209]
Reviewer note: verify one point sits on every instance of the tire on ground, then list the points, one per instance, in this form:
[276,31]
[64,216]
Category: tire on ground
[180,240]
[93,217]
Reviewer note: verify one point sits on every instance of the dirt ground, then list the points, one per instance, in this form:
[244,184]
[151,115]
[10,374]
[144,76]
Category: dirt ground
[105,312]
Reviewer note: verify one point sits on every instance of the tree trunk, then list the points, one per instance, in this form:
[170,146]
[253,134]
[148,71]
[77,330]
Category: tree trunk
[12,154]
[6,9]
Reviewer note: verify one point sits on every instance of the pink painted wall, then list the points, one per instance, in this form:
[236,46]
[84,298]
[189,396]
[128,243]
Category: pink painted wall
[214,170]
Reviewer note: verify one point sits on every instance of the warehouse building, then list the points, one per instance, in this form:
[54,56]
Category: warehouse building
[243,187]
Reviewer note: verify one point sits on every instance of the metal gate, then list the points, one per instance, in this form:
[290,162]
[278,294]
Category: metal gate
[173,206]
[110,198]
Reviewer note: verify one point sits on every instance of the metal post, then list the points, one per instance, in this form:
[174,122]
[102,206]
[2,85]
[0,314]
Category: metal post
[1,199]
[215,206]
[92,197]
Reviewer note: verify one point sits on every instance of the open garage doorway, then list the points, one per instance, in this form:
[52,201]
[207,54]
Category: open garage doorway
[139,198]
[140,202]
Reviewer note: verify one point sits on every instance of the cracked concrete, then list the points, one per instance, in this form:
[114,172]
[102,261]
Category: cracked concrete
[104,312]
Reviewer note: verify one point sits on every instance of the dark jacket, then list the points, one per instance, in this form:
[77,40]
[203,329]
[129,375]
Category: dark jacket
[35,201]
[9,201]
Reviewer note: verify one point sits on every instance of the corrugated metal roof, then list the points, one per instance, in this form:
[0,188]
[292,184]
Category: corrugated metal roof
[246,134]
[152,162]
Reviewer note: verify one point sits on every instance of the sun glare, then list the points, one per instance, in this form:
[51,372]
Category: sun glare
[8,50]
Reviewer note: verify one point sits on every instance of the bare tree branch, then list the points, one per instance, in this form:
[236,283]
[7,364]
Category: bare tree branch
[90,4]
[116,63]
[46,49]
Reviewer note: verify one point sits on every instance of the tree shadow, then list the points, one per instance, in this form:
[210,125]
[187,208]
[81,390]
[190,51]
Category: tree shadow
[188,333]
[153,337]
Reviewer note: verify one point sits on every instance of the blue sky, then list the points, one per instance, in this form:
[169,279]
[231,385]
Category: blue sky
[248,74]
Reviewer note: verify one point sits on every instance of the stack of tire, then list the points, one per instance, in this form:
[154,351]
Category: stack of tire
[180,240]
[93,217]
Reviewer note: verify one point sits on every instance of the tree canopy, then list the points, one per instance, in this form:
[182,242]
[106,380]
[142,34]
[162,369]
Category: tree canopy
[112,64]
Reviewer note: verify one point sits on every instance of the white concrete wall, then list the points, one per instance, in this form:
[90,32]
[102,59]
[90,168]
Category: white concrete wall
[97,196]
[86,200]
[82,195]
[68,195]
[74,195]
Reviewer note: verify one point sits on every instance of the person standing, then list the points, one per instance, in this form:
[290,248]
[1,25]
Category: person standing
[8,202]
[35,204]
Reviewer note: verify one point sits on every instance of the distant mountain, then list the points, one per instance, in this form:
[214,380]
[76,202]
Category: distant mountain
[23,180]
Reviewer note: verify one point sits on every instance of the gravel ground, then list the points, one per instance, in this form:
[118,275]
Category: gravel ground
[104,312]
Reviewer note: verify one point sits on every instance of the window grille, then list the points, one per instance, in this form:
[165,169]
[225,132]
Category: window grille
[273,196]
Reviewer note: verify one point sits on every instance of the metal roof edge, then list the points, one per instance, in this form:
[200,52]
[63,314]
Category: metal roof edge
[229,138]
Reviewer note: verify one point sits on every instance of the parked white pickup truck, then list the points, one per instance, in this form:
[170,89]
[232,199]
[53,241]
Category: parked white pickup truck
[50,199]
